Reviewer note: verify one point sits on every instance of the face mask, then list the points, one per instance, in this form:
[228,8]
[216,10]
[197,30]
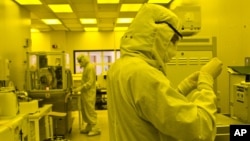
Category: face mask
[170,52]
[82,63]
[172,49]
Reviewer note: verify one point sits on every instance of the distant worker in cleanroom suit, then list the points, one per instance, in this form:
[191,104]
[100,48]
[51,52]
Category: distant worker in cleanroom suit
[88,96]
[142,104]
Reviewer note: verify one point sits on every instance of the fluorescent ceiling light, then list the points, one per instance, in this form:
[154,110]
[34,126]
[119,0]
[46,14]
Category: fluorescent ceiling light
[130,7]
[159,1]
[29,2]
[124,20]
[60,8]
[51,21]
[88,21]
[107,1]
[91,29]
[121,28]
[34,30]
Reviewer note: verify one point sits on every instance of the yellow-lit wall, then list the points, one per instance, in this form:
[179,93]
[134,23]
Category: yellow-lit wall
[70,41]
[14,30]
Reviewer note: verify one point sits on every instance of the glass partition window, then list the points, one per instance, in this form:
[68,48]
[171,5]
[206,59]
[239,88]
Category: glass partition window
[101,59]
[95,57]
[108,56]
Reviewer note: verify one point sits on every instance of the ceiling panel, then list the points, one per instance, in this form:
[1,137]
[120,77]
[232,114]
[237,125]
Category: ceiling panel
[134,1]
[73,25]
[108,7]
[38,8]
[121,25]
[36,21]
[46,15]
[82,1]
[71,21]
[106,20]
[86,15]
[83,7]
[109,25]
[33,16]
[66,15]
[127,14]
[41,26]
[55,1]
[76,28]
[106,28]
[59,27]
[106,14]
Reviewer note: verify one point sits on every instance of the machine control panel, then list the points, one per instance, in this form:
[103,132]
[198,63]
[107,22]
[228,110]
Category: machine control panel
[241,102]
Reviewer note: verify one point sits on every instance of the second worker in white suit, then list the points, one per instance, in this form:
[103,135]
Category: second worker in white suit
[88,96]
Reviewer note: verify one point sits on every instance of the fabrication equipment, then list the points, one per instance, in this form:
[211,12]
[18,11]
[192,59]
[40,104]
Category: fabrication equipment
[7,96]
[101,91]
[189,11]
[13,125]
[241,102]
[49,80]
[239,91]
[14,128]
[4,72]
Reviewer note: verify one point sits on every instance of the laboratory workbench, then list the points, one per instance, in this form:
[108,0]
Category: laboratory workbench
[41,125]
[223,123]
[14,128]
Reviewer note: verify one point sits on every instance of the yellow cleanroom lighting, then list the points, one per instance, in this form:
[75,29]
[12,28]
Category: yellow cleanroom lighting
[107,1]
[130,7]
[91,29]
[51,21]
[60,8]
[29,2]
[34,30]
[159,1]
[124,20]
[88,21]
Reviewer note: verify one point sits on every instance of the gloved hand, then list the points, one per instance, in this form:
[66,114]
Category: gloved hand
[213,67]
[80,88]
[76,90]
[208,73]
[189,83]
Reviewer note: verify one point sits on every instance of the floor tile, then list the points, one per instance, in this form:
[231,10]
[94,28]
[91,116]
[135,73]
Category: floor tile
[103,123]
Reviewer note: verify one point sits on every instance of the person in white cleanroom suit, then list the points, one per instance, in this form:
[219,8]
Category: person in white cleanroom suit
[142,104]
[88,96]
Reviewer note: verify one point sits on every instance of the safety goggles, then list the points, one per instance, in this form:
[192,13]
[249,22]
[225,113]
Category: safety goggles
[177,34]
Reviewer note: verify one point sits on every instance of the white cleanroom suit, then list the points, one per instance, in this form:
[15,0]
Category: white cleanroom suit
[88,96]
[142,104]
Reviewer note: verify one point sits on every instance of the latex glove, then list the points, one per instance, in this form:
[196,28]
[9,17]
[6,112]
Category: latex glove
[189,83]
[76,90]
[213,67]
[208,73]
[80,88]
